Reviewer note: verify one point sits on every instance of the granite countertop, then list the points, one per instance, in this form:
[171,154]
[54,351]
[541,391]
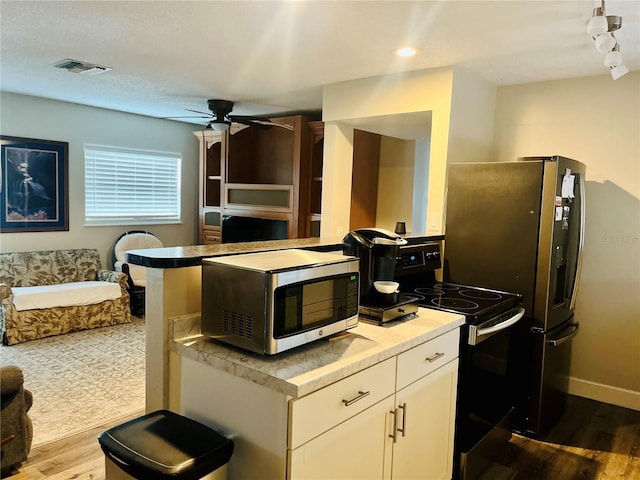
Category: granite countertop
[308,368]
[190,256]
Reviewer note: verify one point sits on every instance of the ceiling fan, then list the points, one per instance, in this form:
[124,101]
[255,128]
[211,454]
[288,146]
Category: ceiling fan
[221,118]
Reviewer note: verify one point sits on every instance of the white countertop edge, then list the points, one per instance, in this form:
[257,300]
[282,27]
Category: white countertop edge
[306,369]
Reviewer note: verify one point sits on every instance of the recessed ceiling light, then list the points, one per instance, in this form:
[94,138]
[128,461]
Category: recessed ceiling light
[406,52]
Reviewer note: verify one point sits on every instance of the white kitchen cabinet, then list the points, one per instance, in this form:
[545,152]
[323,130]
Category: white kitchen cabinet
[328,411]
[407,435]
[358,449]
[426,408]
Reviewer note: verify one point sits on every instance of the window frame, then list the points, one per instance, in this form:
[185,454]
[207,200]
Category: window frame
[132,160]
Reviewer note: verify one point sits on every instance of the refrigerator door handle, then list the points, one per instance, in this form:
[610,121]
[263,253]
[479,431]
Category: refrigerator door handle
[572,304]
[556,342]
[502,325]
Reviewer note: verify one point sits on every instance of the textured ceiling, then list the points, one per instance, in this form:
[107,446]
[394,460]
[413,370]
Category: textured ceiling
[273,57]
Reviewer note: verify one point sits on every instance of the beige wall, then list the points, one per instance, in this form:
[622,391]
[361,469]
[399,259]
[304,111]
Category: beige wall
[395,183]
[32,117]
[346,103]
[461,107]
[473,104]
[595,120]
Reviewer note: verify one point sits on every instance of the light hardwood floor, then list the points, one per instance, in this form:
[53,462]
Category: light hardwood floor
[592,441]
[77,457]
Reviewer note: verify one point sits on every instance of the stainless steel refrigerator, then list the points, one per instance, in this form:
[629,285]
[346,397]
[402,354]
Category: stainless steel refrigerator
[519,227]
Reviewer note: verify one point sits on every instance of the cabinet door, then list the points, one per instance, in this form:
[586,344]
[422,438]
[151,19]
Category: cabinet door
[358,448]
[426,449]
[364,184]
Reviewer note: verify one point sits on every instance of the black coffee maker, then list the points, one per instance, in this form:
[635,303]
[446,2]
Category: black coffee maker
[377,250]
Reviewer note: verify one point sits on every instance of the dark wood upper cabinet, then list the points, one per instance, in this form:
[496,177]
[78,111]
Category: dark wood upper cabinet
[364,180]
[259,173]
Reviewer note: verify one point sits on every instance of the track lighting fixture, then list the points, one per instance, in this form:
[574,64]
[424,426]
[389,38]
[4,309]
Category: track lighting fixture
[601,28]
[614,57]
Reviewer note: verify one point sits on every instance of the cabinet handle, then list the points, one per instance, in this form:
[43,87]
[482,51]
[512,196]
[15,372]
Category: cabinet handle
[403,430]
[435,357]
[394,435]
[360,396]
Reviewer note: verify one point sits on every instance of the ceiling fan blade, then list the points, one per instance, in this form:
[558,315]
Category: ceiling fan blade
[249,122]
[237,118]
[186,116]
[208,114]
[259,122]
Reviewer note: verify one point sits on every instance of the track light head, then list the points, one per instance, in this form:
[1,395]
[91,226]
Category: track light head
[605,42]
[619,71]
[598,23]
[614,57]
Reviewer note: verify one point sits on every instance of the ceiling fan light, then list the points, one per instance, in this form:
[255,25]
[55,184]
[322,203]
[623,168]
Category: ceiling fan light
[619,71]
[220,125]
[613,58]
[605,42]
[598,23]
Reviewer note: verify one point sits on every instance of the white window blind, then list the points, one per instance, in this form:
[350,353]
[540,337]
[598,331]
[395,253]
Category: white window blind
[125,186]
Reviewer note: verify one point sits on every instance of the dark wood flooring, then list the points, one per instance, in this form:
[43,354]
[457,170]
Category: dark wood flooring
[592,441]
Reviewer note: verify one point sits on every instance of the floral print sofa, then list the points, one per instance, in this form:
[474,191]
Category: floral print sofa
[58,291]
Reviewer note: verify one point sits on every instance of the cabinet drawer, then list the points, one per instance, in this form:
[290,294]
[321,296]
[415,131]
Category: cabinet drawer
[423,359]
[322,410]
[210,237]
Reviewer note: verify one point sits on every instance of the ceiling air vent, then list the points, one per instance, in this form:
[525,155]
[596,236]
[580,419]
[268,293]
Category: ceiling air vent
[76,66]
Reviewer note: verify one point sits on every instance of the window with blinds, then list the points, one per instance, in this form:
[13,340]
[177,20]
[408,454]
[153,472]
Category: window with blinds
[127,187]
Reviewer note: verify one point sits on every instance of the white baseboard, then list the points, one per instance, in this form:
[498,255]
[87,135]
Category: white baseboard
[604,393]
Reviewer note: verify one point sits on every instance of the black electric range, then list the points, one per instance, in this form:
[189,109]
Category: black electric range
[486,379]
[475,303]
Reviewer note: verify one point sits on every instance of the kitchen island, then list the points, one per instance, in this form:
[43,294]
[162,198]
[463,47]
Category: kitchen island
[332,408]
[174,287]
[371,402]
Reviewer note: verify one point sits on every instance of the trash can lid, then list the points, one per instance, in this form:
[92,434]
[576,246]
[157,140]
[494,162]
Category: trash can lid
[165,445]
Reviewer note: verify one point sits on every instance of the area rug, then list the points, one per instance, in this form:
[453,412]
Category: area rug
[81,380]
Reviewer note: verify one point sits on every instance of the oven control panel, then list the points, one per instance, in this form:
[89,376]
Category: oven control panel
[418,258]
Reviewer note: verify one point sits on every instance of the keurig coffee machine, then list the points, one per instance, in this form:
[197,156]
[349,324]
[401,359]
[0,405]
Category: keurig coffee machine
[377,250]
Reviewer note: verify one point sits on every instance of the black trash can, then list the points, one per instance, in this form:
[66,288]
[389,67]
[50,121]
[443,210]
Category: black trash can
[164,445]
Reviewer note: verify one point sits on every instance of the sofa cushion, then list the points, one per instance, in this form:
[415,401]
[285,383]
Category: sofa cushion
[64,295]
[50,267]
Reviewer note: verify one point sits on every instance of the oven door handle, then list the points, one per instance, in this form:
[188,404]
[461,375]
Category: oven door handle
[502,325]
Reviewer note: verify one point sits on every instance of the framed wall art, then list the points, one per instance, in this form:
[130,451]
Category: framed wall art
[34,185]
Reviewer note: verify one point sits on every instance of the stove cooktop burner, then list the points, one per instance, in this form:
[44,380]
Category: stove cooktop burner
[429,291]
[481,294]
[454,303]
